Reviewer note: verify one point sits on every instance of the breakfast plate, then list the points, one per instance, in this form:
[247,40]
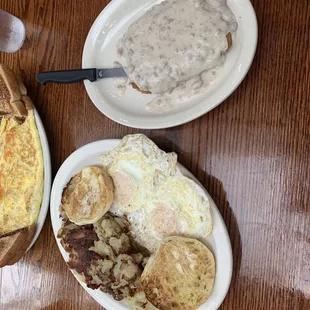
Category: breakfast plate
[25,169]
[47,179]
[100,51]
[218,242]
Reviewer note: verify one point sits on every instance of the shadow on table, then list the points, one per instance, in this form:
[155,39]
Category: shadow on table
[253,293]
[219,196]
[60,304]
[216,189]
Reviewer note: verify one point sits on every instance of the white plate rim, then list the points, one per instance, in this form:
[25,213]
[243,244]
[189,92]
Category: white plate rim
[47,179]
[62,177]
[182,117]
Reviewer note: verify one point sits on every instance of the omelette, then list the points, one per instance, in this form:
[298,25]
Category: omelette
[21,173]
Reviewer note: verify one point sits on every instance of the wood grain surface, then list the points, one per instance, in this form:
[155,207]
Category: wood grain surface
[252,154]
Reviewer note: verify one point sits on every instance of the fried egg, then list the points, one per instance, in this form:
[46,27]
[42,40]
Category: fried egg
[178,207]
[157,199]
[137,166]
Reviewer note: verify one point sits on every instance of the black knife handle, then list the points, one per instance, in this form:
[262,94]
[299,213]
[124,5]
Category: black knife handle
[67,76]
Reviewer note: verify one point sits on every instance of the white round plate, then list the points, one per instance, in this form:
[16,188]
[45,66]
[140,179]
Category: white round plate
[47,179]
[218,241]
[129,110]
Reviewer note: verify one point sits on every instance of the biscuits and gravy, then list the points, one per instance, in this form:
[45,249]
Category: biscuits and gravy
[176,48]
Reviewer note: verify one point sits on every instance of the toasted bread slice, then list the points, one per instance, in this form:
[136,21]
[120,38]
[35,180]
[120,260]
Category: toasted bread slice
[14,245]
[135,86]
[13,94]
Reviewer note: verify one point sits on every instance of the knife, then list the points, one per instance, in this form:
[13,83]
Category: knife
[74,76]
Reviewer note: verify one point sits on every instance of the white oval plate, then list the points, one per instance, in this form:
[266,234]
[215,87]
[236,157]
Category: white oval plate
[47,178]
[129,110]
[218,242]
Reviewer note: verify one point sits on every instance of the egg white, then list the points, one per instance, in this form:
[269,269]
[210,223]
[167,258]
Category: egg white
[157,199]
[178,207]
[137,166]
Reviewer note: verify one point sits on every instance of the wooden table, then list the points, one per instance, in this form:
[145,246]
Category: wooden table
[252,154]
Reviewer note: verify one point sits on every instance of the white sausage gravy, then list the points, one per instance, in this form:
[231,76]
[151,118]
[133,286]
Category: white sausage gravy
[175,48]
